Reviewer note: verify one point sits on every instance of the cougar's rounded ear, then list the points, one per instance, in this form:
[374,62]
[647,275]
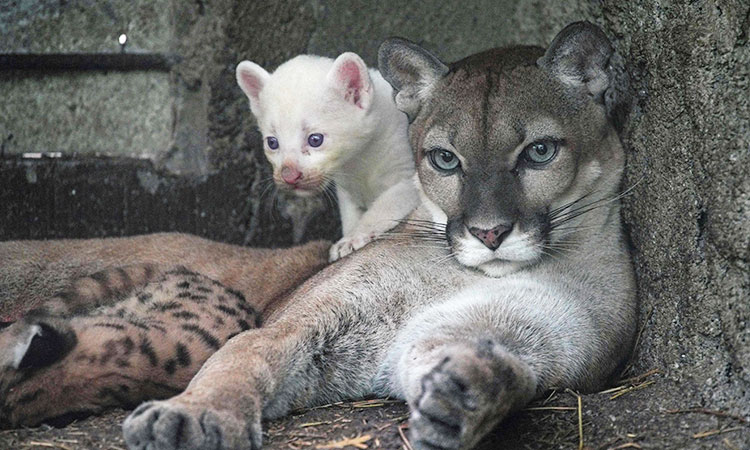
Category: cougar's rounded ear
[579,56]
[411,70]
[251,78]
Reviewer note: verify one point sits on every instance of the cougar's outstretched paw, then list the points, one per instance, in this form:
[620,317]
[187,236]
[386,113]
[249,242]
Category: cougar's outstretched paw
[170,426]
[439,414]
[460,397]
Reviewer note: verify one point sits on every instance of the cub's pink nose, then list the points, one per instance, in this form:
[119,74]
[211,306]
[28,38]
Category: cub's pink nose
[290,175]
[491,238]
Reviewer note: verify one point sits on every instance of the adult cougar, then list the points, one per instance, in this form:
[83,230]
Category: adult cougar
[511,277]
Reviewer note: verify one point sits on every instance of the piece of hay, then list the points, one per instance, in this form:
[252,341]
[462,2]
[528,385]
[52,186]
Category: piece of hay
[358,442]
[704,434]
[580,417]
[401,433]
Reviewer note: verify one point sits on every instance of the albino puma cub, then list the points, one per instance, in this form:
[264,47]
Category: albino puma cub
[329,121]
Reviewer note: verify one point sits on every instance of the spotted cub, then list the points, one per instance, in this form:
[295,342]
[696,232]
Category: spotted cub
[148,345]
[86,324]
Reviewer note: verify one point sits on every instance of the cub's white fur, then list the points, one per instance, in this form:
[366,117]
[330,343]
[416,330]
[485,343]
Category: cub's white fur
[362,139]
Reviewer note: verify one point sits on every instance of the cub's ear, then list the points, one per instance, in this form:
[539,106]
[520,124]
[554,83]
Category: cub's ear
[35,344]
[350,79]
[251,78]
[579,56]
[411,70]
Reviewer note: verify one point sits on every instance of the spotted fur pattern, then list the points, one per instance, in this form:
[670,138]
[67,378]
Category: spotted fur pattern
[120,323]
[149,345]
[100,288]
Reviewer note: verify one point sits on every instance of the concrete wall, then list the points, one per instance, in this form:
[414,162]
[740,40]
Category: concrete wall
[88,113]
[688,137]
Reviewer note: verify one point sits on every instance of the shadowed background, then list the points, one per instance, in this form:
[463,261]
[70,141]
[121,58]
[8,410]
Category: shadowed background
[165,140]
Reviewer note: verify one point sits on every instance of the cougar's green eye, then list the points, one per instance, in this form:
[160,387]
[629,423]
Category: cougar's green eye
[540,152]
[444,160]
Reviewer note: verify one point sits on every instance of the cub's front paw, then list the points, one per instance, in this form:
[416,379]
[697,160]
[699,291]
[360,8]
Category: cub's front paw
[164,425]
[349,244]
[469,391]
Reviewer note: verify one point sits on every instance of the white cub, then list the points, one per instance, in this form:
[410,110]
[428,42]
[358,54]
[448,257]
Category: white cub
[325,121]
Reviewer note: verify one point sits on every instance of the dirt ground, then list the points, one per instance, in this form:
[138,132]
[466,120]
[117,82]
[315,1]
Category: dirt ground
[647,412]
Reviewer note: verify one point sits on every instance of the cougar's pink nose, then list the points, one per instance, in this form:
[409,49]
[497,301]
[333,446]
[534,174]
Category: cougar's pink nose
[290,175]
[491,238]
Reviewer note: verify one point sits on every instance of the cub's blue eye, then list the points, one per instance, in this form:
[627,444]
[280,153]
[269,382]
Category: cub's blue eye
[315,140]
[540,152]
[444,160]
[272,142]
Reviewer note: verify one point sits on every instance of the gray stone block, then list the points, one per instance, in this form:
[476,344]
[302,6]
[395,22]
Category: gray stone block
[92,26]
[113,114]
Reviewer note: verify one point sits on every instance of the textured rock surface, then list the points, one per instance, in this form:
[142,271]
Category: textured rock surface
[91,113]
[126,113]
[54,26]
[688,142]
[689,212]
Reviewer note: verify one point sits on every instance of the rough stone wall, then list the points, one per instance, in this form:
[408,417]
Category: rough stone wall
[689,212]
[688,139]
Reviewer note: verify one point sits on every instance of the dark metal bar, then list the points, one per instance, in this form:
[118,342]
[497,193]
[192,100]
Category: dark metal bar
[88,61]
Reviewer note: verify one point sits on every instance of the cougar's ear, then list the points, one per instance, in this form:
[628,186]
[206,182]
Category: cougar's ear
[35,344]
[350,80]
[579,56]
[251,78]
[411,70]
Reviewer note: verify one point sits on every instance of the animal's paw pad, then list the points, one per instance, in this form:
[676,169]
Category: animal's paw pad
[349,244]
[166,426]
[439,414]
[454,396]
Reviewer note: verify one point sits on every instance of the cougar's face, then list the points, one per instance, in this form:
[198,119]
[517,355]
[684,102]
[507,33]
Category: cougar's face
[511,144]
[500,151]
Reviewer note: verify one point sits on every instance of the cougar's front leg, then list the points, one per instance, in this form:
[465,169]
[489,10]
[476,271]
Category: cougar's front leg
[220,409]
[261,373]
[463,367]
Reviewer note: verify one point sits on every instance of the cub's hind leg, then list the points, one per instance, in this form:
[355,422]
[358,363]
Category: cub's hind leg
[147,346]
[102,288]
[464,365]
